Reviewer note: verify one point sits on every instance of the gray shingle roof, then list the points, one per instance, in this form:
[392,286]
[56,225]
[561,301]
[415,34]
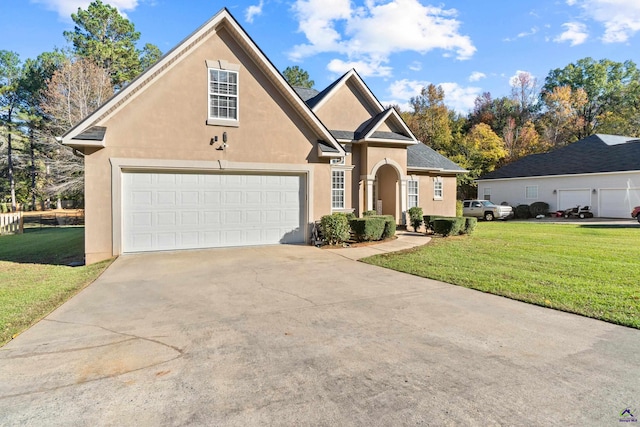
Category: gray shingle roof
[593,154]
[390,135]
[423,157]
[305,92]
[326,148]
[311,102]
[93,133]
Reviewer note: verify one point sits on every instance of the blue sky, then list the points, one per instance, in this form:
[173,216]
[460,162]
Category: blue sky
[397,46]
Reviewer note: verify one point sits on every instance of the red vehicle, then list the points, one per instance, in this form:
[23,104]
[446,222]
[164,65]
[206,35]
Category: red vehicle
[635,213]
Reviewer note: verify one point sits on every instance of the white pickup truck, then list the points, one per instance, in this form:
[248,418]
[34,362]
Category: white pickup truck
[485,209]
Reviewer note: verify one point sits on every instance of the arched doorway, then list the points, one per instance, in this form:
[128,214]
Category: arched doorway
[386,190]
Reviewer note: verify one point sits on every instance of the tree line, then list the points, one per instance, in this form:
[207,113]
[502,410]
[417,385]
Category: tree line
[44,97]
[586,97]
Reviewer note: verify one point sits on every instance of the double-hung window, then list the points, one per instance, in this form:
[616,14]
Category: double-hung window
[223,96]
[531,192]
[412,194]
[337,189]
[437,188]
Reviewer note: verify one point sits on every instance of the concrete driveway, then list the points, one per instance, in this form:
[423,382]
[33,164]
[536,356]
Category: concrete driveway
[294,335]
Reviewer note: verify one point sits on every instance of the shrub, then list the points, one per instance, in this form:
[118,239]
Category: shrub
[522,212]
[335,228]
[4,207]
[350,216]
[415,217]
[459,208]
[469,224]
[448,226]
[369,228]
[389,226]
[539,208]
[428,221]
[369,213]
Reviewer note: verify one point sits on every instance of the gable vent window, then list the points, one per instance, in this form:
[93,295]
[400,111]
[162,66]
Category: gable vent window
[223,94]
[224,88]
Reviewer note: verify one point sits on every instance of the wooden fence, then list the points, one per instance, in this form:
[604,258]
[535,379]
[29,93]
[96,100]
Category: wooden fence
[11,223]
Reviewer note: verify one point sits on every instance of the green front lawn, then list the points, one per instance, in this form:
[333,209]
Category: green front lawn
[589,269]
[35,278]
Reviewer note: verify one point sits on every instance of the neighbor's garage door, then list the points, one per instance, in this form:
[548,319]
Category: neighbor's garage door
[165,211]
[618,203]
[572,198]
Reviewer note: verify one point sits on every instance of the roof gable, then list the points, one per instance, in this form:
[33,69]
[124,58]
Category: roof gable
[594,154]
[222,19]
[386,126]
[353,78]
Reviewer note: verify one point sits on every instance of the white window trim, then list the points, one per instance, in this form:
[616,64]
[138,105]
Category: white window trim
[338,161]
[223,65]
[409,193]
[343,189]
[486,192]
[438,180]
[526,192]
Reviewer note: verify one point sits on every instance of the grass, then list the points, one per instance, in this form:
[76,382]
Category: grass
[585,269]
[35,277]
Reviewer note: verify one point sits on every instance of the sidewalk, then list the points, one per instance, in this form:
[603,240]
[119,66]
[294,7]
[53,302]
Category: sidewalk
[405,240]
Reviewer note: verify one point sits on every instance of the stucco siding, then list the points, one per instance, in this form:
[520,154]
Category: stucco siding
[347,109]
[167,120]
[430,206]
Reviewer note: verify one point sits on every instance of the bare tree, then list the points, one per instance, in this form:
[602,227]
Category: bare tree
[77,89]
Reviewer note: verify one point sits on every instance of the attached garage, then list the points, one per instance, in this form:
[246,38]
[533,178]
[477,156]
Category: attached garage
[169,210]
[618,203]
[572,198]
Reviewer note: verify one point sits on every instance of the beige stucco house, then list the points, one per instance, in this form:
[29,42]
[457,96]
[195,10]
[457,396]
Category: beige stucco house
[211,147]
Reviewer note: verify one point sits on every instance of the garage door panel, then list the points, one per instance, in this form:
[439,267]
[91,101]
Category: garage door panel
[571,198]
[182,211]
[618,203]
[166,219]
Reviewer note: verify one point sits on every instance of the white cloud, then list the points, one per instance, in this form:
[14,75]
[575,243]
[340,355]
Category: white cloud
[523,34]
[65,8]
[375,30]
[531,32]
[476,76]
[621,18]
[459,98]
[575,33]
[415,66]
[365,69]
[253,11]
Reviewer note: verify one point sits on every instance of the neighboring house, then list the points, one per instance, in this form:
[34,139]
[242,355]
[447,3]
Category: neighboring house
[211,147]
[601,171]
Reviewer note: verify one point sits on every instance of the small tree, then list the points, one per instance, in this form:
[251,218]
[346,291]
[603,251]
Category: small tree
[296,76]
[415,217]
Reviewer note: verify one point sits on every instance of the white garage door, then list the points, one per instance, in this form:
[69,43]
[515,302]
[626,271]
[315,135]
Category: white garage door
[572,198]
[618,203]
[166,211]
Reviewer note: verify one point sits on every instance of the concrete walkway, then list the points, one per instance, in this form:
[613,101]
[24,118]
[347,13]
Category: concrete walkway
[405,240]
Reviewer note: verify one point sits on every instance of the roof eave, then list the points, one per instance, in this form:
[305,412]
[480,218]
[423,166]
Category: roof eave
[169,59]
[441,170]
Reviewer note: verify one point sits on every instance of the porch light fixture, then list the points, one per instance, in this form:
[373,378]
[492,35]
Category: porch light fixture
[595,191]
[555,191]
